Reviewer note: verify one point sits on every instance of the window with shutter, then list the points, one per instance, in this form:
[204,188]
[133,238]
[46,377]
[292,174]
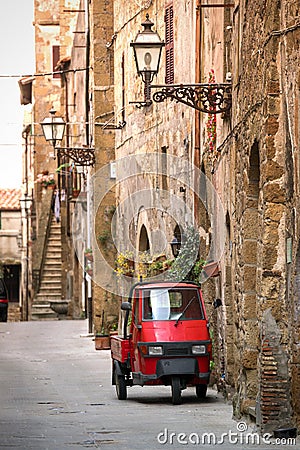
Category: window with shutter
[169,39]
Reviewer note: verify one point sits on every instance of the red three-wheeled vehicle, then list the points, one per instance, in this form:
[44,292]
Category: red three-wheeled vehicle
[165,339]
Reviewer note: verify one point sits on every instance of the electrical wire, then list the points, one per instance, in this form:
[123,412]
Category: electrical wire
[45,74]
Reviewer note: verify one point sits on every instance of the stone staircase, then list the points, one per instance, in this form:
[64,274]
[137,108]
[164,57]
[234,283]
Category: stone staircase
[50,286]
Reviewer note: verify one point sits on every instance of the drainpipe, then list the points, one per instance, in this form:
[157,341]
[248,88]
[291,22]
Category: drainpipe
[88,279]
[198,56]
[25,310]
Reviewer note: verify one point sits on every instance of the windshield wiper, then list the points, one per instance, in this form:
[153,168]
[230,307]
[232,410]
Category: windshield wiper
[181,314]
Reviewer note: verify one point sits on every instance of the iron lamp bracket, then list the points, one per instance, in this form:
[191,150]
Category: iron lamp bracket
[209,98]
[82,156]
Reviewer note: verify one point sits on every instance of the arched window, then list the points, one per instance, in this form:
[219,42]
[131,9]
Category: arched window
[144,245]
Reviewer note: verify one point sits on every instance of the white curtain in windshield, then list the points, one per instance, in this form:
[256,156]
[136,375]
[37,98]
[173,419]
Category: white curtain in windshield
[160,304]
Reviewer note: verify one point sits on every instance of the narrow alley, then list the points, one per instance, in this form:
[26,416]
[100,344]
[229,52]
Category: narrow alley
[56,394]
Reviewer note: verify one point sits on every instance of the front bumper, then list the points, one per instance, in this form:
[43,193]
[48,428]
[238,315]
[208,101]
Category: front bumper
[183,367]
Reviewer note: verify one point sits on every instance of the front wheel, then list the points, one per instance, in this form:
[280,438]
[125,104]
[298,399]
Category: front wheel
[121,387]
[176,391]
[201,390]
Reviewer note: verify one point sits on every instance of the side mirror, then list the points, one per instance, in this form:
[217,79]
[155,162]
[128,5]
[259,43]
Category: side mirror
[217,303]
[126,306]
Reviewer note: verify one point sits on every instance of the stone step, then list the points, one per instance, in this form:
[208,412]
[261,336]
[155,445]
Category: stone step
[52,272]
[45,292]
[50,287]
[53,255]
[49,297]
[51,280]
[50,264]
[42,311]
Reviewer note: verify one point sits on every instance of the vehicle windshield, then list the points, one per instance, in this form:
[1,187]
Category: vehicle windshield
[172,304]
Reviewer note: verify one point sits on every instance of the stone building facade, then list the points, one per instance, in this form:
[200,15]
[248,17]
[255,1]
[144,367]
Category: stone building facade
[255,155]
[245,208]
[10,250]
[249,155]
[55,27]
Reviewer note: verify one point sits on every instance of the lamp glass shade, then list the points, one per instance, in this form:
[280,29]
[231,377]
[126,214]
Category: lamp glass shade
[147,58]
[26,202]
[53,129]
[147,49]
[175,246]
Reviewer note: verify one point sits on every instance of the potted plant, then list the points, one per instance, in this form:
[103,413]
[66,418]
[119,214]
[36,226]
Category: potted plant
[102,337]
[89,254]
[211,269]
[89,270]
[102,341]
[124,264]
[45,179]
[75,193]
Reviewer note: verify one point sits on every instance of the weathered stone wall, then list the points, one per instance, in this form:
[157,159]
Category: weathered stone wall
[262,204]
[165,129]
[55,23]
[105,304]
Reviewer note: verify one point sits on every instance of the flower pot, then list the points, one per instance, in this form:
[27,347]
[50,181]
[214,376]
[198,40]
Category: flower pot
[102,342]
[211,269]
[89,257]
[60,308]
[75,193]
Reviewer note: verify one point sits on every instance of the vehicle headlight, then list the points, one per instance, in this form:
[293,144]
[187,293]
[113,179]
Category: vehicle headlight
[198,349]
[156,350]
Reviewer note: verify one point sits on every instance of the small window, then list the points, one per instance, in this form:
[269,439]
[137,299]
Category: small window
[55,59]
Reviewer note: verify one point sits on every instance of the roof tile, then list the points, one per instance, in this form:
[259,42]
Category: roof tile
[10,199]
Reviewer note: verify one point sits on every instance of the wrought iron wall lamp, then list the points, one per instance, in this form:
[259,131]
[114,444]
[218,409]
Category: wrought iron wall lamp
[212,98]
[147,49]
[53,129]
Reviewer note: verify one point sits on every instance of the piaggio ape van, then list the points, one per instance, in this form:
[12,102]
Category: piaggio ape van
[165,340]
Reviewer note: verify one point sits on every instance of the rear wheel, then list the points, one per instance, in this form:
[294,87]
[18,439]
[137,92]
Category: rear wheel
[176,390]
[121,387]
[201,390]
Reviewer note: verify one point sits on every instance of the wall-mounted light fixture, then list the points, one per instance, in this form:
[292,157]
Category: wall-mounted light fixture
[26,202]
[53,129]
[147,49]
[212,98]
[175,246]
